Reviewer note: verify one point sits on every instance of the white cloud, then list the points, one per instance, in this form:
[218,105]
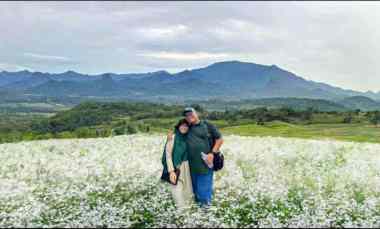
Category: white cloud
[168,32]
[14,67]
[336,43]
[47,57]
[184,56]
[247,32]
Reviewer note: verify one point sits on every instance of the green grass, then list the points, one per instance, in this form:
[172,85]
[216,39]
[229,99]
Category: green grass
[347,132]
[357,132]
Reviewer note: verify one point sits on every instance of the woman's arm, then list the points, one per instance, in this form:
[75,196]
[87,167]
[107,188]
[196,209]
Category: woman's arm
[169,153]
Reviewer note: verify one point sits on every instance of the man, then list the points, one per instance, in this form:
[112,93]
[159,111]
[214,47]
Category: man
[198,141]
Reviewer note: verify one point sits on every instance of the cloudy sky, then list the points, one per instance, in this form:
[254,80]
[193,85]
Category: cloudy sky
[336,43]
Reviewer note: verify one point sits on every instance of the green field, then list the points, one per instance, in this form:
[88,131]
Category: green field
[357,132]
[31,108]
[34,121]
[347,132]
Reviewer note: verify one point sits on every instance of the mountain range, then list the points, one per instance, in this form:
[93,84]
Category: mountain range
[229,80]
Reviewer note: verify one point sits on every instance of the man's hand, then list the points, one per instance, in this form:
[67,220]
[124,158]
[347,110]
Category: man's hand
[210,158]
[173,177]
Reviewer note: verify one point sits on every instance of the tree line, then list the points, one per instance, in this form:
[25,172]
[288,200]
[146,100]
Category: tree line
[103,119]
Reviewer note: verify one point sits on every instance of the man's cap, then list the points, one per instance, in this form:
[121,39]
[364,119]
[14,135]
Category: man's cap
[187,110]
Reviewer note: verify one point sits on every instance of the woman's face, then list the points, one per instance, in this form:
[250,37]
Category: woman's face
[183,128]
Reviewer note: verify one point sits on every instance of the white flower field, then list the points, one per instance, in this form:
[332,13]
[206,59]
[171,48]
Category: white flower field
[114,182]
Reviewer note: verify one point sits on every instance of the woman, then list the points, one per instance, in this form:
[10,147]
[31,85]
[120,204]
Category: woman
[175,156]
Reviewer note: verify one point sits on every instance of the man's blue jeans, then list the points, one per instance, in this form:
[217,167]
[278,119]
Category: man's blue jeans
[203,187]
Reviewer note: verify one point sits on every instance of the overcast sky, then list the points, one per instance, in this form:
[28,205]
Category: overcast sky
[336,43]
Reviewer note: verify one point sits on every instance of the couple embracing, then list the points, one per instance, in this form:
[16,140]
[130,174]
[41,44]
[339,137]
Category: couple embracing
[190,157]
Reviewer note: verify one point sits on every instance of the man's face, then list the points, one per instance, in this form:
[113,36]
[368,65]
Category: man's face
[191,117]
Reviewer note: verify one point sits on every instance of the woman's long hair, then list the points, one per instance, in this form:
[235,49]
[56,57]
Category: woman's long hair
[180,123]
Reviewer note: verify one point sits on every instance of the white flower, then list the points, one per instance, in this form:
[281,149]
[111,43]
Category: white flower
[114,182]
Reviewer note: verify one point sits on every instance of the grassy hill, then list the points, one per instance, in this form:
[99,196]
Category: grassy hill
[346,132]
[360,102]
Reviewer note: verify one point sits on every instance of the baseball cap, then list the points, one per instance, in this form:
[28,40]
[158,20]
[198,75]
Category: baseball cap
[187,110]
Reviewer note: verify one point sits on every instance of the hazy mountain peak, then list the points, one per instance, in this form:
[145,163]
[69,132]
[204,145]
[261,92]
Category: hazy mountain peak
[161,72]
[24,71]
[106,77]
[274,66]
[38,73]
[107,74]
[360,97]
[70,72]
[370,92]
[233,63]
